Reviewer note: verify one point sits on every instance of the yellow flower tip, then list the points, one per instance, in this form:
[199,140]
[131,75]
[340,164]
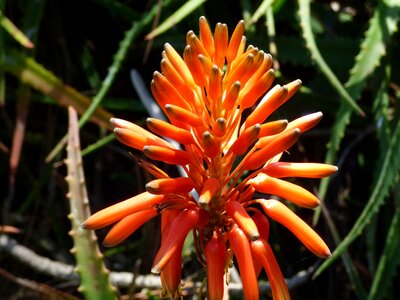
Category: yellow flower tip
[209,192]
[181,185]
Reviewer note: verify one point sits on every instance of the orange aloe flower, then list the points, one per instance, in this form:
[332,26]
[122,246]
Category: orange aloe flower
[226,156]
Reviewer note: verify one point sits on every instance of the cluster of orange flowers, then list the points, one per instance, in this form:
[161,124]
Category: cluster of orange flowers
[227,158]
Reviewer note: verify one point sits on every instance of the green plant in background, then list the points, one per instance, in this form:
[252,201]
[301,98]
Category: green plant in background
[346,50]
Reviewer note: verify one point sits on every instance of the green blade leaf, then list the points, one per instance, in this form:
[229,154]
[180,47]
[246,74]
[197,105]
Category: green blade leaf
[175,18]
[305,23]
[390,260]
[387,176]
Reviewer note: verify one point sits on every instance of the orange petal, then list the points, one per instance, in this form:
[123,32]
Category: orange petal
[263,252]
[174,237]
[280,213]
[219,128]
[122,209]
[221,44]
[242,69]
[176,113]
[231,96]
[168,92]
[215,85]
[168,130]
[210,190]
[279,144]
[308,170]
[193,41]
[305,123]
[194,66]
[215,253]
[235,41]
[247,138]
[175,79]
[255,89]
[127,226]
[238,213]
[292,88]
[172,272]
[205,63]
[138,141]
[180,185]
[272,128]
[123,124]
[178,64]
[241,248]
[292,192]
[262,224]
[210,144]
[206,36]
[269,103]
[167,155]
[247,195]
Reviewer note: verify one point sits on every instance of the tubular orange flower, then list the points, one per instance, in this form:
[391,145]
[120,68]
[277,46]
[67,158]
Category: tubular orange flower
[175,235]
[241,248]
[228,152]
[171,273]
[127,226]
[280,213]
[263,253]
[215,252]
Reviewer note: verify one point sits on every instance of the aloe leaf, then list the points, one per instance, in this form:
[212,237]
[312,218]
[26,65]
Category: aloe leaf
[365,57]
[388,172]
[17,34]
[28,71]
[390,260]
[373,47]
[261,10]
[99,144]
[305,23]
[94,276]
[175,18]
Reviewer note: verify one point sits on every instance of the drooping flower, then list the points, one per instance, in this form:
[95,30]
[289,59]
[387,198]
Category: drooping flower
[226,157]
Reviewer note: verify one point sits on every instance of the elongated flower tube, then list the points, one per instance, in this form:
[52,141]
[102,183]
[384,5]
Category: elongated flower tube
[219,98]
